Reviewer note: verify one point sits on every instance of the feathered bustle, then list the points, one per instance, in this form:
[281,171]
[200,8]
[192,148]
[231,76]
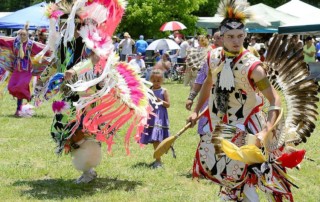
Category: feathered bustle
[290,76]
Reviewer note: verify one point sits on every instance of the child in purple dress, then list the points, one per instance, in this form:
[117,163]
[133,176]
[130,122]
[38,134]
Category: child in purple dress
[158,125]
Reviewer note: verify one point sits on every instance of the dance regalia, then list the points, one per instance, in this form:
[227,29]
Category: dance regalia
[17,58]
[103,96]
[228,154]
[236,114]
[64,109]
[243,113]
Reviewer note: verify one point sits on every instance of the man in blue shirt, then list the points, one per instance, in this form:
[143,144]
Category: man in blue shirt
[141,46]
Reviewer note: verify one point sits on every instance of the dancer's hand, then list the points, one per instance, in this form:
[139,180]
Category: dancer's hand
[95,59]
[69,74]
[260,138]
[189,104]
[192,119]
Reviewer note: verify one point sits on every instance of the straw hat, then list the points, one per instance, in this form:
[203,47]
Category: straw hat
[126,34]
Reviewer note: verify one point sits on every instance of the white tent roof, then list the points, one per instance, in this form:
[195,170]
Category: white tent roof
[308,18]
[271,14]
[300,9]
[275,17]
[2,14]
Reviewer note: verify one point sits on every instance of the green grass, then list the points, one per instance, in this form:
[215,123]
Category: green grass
[30,171]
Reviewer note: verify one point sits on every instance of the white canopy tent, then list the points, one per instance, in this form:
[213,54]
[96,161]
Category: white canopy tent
[274,17]
[300,9]
[308,15]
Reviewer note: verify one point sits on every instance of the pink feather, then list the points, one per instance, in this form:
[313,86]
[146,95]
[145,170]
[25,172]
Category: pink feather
[59,106]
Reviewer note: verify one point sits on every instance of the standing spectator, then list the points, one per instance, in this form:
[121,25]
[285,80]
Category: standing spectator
[141,46]
[138,63]
[318,49]
[32,36]
[262,54]
[126,45]
[182,53]
[42,37]
[298,44]
[217,40]
[309,50]
[195,41]
[253,43]
[253,47]
[115,44]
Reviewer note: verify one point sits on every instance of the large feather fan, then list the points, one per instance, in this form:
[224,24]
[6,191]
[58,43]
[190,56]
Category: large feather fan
[289,75]
[197,57]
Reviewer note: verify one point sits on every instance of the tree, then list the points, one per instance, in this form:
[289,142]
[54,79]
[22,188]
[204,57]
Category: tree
[14,5]
[207,9]
[146,16]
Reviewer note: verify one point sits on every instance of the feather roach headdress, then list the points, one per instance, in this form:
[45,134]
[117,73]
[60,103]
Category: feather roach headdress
[235,14]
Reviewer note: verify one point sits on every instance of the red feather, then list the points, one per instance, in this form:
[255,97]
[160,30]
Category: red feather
[291,160]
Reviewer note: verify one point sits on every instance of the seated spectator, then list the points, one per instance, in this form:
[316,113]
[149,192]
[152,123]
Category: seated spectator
[164,64]
[156,57]
[138,63]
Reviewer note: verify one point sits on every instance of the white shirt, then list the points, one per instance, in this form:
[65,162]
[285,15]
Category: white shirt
[138,65]
[126,45]
[255,46]
[183,49]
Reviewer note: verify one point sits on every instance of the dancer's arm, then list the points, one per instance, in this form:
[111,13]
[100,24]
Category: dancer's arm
[6,41]
[259,76]
[203,97]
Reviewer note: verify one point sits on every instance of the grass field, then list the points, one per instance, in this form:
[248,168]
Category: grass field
[30,171]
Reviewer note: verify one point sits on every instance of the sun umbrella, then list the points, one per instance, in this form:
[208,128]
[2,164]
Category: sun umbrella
[163,44]
[172,26]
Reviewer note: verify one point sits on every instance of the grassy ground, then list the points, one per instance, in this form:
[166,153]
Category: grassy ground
[30,171]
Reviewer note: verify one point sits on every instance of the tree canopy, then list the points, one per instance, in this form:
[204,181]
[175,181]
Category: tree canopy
[146,16]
